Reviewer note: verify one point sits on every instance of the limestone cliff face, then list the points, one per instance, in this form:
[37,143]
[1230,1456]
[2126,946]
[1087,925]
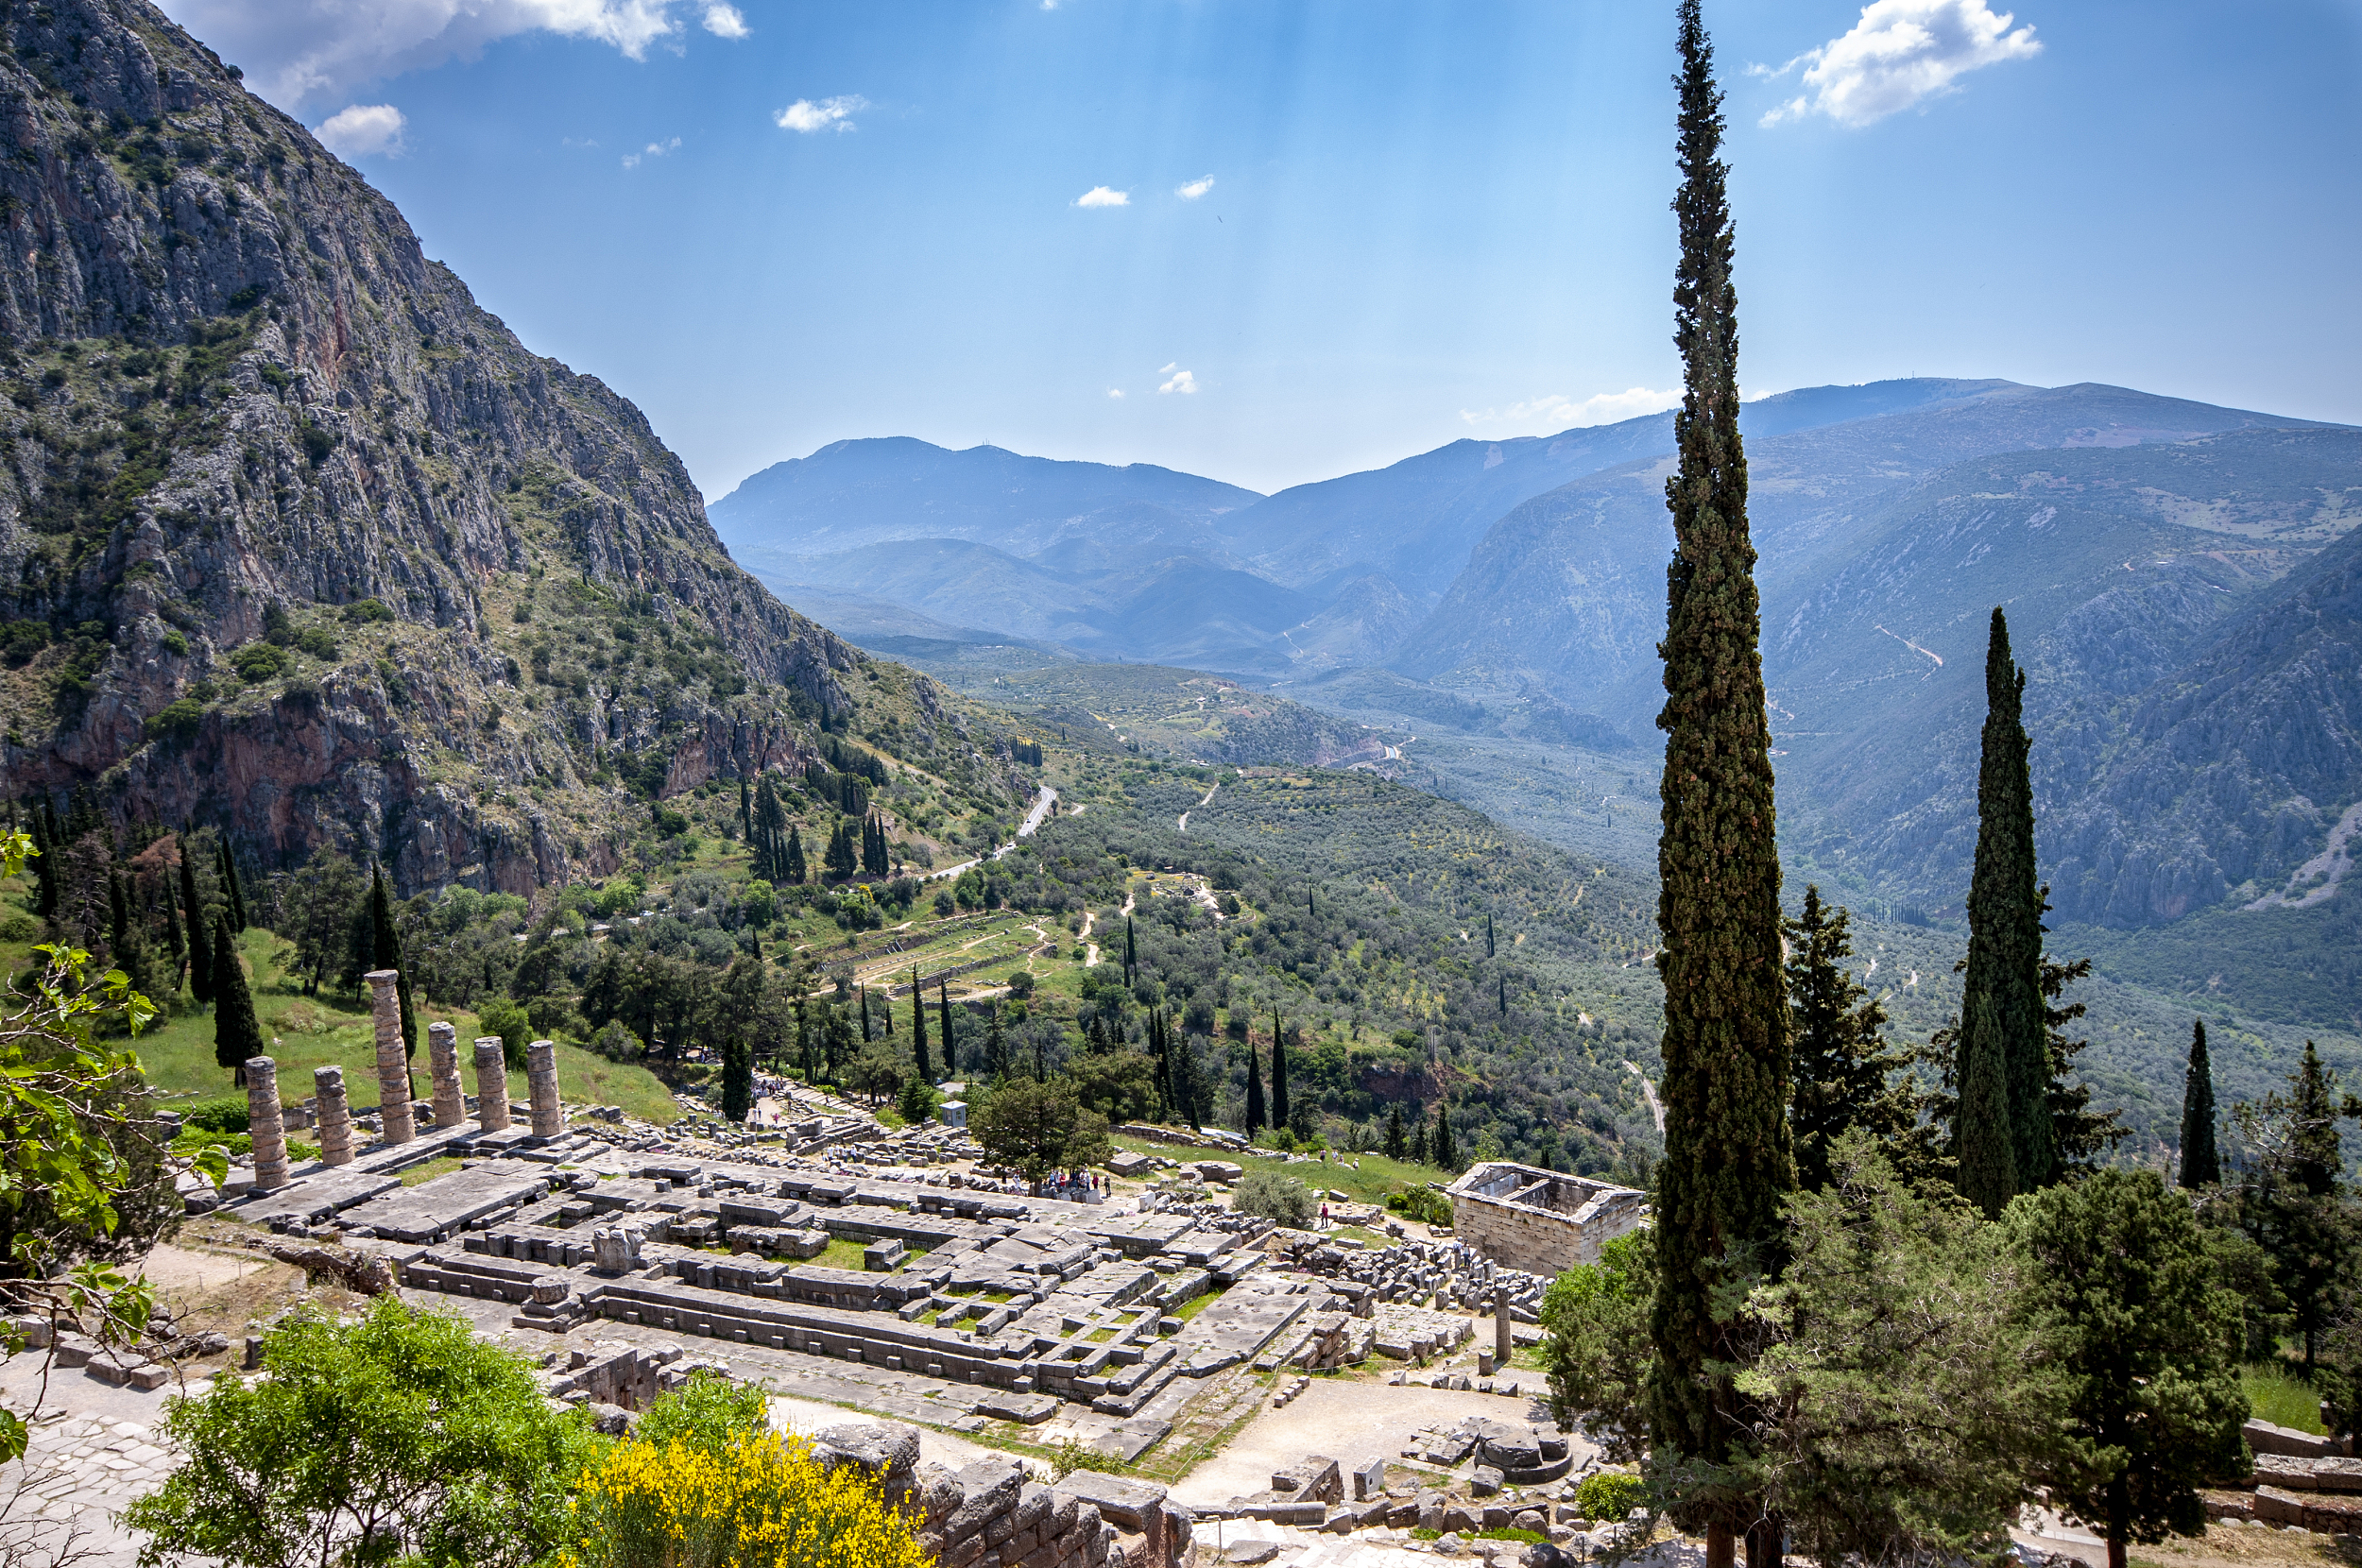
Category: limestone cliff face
[238,403]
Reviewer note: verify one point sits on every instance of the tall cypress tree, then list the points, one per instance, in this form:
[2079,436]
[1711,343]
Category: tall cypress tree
[942,1016]
[1488,936]
[232,894]
[746,811]
[177,936]
[2001,1003]
[201,930]
[919,1029]
[794,866]
[1447,1157]
[1256,1119]
[1846,1074]
[1395,1146]
[996,1045]
[1727,1157]
[237,1033]
[1131,950]
[1278,1073]
[864,1016]
[45,865]
[2201,1165]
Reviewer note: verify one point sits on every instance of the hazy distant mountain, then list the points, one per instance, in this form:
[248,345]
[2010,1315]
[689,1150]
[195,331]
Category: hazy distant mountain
[1417,521]
[852,493]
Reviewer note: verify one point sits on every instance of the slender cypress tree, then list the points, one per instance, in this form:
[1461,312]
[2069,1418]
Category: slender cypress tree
[996,1045]
[46,864]
[237,1033]
[1395,1146]
[231,893]
[1131,951]
[2201,1165]
[1727,1157]
[794,867]
[864,1014]
[1447,1157]
[1488,936]
[942,1016]
[1256,1120]
[200,930]
[177,936]
[918,1029]
[118,917]
[2001,1003]
[1418,1140]
[1278,1073]
[746,811]
[1504,983]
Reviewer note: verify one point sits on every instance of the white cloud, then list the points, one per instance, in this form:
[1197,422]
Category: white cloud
[1194,189]
[1116,392]
[297,51]
[1899,54]
[806,115]
[1099,196]
[1182,381]
[363,130]
[724,20]
[654,150]
[1560,412]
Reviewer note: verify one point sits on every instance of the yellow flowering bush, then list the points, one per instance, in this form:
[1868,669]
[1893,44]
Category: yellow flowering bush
[763,1502]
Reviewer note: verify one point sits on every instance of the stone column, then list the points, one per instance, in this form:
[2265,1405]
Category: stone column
[442,1058]
[265,1125]
[393,1066]
[335,1115]
[549,1114]
[1504,1342]
[491,1084]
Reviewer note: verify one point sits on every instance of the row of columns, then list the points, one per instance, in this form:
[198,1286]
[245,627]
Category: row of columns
[267,1125]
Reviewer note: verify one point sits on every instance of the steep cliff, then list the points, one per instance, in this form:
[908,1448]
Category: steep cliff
[297,538]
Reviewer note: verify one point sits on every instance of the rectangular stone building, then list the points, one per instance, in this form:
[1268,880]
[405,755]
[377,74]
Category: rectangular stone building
[1542,1221]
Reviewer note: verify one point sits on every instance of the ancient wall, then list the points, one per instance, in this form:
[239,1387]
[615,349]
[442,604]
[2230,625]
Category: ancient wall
[1538,1220]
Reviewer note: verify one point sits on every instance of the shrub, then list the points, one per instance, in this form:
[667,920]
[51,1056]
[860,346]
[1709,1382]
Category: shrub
[1422,1204]
[1610,1495]
[501,1016]
[709,1413]
[222,1114]
[616,1042]
[917,1100]
[258,661]
[762,1503]
[1021,984]
[177,721]
[317,641]
[363,611]
[1276,1198]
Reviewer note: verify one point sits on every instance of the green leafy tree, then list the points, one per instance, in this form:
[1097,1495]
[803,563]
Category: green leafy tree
[2286,1195]
[1845,1075]
[1275,1196]
[1395,1146]
[1727,1158]
[917,1099]
[878,1072]
[1038,1128]
[1119,1085]
[2001,1002]
[1595,1346]
[2081,1138]
[2201,1165]
[1899,1396]
[237,1033]
[399,1437]
[2123,1295]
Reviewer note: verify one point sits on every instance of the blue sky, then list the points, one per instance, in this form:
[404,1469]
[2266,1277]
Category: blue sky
[777,226]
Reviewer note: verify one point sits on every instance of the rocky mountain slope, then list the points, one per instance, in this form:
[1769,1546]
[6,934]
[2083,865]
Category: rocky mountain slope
[297,538]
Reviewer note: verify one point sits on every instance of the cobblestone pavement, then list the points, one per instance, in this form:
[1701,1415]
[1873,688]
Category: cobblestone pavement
[81,1468]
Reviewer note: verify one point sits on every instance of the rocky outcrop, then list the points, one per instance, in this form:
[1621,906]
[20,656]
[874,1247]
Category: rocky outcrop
[238,403]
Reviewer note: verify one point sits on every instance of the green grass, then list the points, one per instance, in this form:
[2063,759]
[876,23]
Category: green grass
[2277,1395]
[842,1253]
[1195,1305]
[442,1166]
[177,1052]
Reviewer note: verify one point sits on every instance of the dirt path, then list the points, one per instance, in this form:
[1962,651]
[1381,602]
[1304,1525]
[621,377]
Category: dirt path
[1090,948]
[1181,824]
[1648,1092]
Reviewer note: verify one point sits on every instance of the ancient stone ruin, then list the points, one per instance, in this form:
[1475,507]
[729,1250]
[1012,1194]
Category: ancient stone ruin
[1543,1221]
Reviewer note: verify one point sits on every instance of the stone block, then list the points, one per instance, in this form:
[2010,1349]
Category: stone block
[1463,1519]
[1127,1503]
[1484,1480]
[2264,1438]
[1369,1482]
